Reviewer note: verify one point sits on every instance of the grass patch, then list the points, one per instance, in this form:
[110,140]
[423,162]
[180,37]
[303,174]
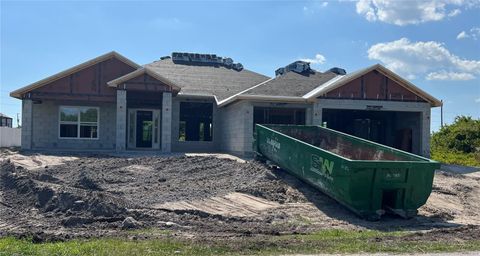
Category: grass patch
[328,241]
[149,231]
[455,157]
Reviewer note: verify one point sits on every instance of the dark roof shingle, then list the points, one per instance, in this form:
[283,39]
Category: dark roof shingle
[210,79]
[292,84]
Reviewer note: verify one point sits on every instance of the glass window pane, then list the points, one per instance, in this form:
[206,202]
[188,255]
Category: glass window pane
[68,130]
[88,131]
[69,114]
[88,115]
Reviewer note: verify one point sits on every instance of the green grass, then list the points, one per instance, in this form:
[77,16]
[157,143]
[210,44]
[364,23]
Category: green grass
[328,241]
[453,157]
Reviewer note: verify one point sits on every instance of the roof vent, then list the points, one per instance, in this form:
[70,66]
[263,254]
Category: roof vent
[205,60]
[237,66]
[297,67]
[279,71]
[228,62]
[338,71]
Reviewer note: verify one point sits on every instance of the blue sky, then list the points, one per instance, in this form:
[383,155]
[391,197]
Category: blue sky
[435,44]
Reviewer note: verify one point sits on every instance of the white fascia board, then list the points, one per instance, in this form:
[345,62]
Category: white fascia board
[234,97]
[318,91]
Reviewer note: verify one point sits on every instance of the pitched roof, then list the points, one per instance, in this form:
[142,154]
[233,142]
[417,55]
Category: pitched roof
[18,93]
[342,80]
[206,80]
[292,84]
[141,71]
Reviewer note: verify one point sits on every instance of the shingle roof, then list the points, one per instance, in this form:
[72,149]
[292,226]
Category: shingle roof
[292,84]
[198,79]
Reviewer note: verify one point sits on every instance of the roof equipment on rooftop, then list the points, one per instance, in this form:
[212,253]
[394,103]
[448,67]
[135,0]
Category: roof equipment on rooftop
[297,67]
[338,71]
[205,59]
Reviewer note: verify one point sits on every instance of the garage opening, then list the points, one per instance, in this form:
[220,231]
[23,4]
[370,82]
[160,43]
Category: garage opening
[266,115]
[396,129]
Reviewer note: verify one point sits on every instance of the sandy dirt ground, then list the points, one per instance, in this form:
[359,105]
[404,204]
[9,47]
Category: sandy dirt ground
[59,197]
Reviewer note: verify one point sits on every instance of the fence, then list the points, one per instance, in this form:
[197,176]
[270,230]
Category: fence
[10,137]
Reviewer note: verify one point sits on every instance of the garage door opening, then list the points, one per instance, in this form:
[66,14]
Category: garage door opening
[396,129]
[263,115]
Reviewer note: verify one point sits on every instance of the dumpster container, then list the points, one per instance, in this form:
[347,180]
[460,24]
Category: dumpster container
[366,177]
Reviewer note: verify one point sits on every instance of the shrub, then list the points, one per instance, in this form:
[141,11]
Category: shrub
[458,143]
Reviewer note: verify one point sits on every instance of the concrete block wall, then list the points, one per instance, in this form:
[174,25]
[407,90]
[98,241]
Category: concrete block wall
[194,146]
[166,124]
[236,125]
[45,127]
[121,121]
[425,127]
[27,111]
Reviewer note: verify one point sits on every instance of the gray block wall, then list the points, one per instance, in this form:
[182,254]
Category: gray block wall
[236,126]
[27,124]
[166,124]
[121,121]
[45,127]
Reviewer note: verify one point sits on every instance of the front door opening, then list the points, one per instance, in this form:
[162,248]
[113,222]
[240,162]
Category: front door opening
[144,129]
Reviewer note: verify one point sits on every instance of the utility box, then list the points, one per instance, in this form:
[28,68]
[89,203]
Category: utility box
[366,177]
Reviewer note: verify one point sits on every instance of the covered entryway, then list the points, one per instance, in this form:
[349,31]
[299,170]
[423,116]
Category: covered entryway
[143,128]
[144,111]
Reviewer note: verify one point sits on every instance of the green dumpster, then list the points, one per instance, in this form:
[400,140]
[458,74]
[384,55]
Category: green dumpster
[368,178]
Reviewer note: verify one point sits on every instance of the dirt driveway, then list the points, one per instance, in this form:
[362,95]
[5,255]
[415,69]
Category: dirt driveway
[61,197]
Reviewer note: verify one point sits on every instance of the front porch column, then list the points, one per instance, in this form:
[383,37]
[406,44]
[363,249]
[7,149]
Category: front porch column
[121,128]
[425,124]
[167,122]
[317,114]
[27,114]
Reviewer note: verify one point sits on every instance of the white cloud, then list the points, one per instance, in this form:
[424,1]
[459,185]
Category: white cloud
[454,13]
[477,100]
[319,59]
[314,6]
[462,35]
[403,13]
[430,59]
[444,75]
[473,33]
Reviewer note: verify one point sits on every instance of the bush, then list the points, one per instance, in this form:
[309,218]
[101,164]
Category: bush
[458,143]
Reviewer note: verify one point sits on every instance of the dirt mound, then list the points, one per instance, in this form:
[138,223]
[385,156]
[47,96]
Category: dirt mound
[197,196]
[66,203]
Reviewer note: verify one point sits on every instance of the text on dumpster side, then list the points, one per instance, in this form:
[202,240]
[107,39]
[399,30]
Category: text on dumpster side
[275,144]
[322,167]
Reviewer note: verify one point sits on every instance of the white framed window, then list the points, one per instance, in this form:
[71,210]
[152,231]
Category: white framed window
[78,122]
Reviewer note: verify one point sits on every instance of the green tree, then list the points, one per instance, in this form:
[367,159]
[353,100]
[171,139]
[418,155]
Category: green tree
[458,143]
